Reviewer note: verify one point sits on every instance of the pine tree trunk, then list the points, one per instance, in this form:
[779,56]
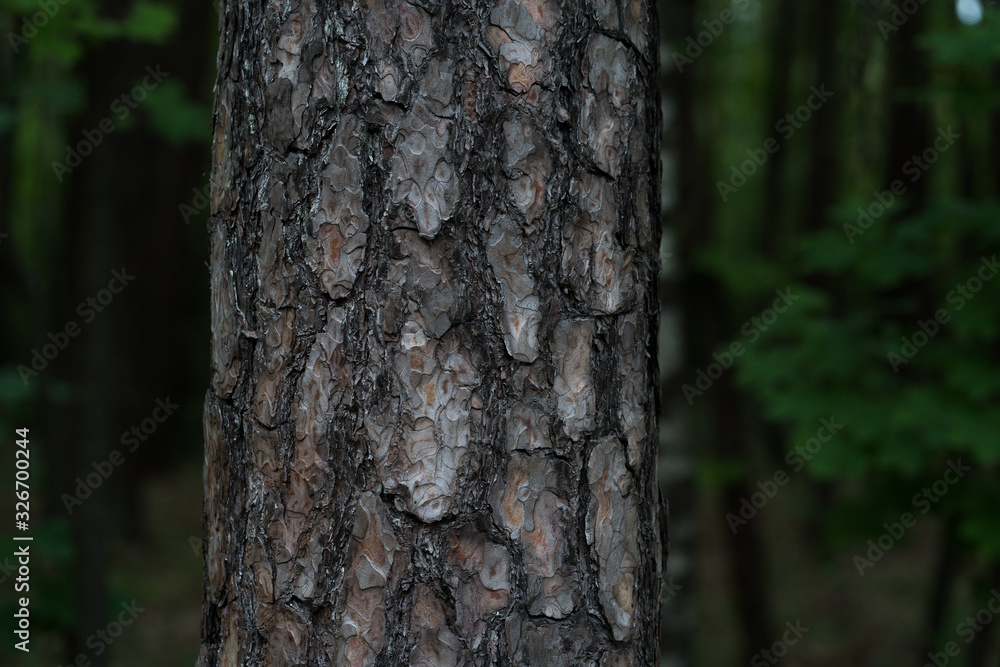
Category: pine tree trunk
[430,432]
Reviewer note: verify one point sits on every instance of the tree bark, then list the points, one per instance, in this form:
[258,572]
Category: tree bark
[430,432]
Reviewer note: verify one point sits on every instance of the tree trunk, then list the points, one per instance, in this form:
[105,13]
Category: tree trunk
[430,433]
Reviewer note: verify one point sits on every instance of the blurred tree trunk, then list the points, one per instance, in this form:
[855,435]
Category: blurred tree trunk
[711,321]
[821,191]
[824,177]
[158,249]
[677,452]
[908,123]
[909,134]
[90,194]
[430,433]
[995,133]
[775,236]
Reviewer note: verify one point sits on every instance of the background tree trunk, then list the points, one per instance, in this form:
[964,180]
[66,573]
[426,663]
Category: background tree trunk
[430,433]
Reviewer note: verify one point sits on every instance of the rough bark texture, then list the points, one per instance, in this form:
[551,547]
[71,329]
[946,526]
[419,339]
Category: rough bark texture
[430,435]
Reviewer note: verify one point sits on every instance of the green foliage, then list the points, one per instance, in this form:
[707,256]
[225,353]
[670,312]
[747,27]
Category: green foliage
[175,117]
[974,47]
[831,356]
[150,22]
[869,292]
